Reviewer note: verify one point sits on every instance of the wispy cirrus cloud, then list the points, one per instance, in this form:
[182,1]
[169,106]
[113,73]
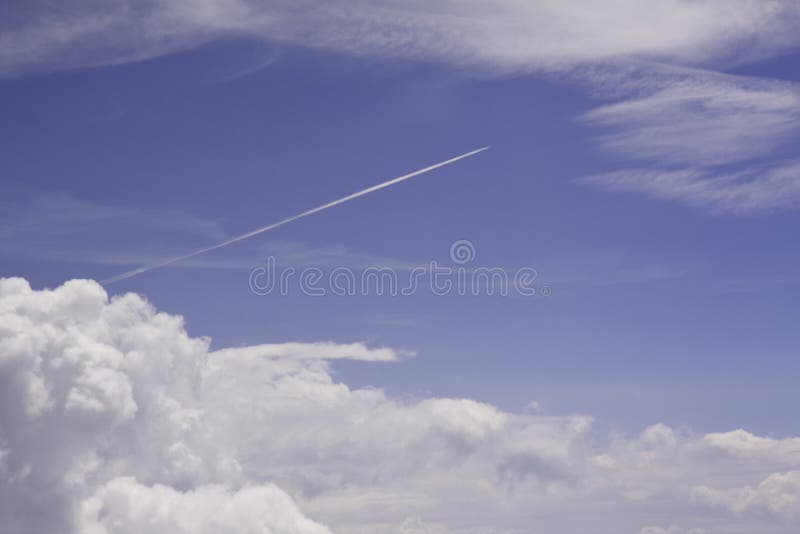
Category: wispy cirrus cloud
[25,212]
[664,116]
[57,226]
[498,34]
[701,138]
[700,119]
[748,191]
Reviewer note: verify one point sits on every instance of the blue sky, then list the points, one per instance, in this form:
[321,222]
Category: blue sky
[653,185]
[655,303]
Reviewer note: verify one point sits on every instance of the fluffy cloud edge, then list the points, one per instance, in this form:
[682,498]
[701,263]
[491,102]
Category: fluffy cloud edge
[112,416]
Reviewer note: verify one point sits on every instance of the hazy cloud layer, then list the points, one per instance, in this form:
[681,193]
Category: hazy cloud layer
[53,226]
[500,34]
[113,419]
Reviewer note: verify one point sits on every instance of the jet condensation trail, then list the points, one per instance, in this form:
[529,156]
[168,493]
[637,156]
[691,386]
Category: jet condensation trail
[145,268]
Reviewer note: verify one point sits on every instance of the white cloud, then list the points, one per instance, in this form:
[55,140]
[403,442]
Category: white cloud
[313,351]
[704,139]
[93,390]
[667,116]
[699,119]
[498,34]
[692,119]
[777,495]
[113,418]
[123,506]
[747,191]
[744,444]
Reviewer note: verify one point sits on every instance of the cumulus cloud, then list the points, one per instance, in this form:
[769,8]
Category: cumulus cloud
[123,506]
[114,420]
[93,391]
[499,34]
[777,495]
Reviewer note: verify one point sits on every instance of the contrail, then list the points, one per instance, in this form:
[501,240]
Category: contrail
[272,226]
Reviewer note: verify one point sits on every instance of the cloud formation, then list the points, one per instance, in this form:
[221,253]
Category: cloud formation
[124,506]
[666,115]
[699,118]
[747,191]
[102,418]
[776,495]
[705,139]
[498,34]
[114,419]
[56,226]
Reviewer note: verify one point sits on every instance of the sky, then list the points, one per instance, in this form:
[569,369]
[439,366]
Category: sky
[642,164]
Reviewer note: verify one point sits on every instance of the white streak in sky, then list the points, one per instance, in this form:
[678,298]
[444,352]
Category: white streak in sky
[272,226]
